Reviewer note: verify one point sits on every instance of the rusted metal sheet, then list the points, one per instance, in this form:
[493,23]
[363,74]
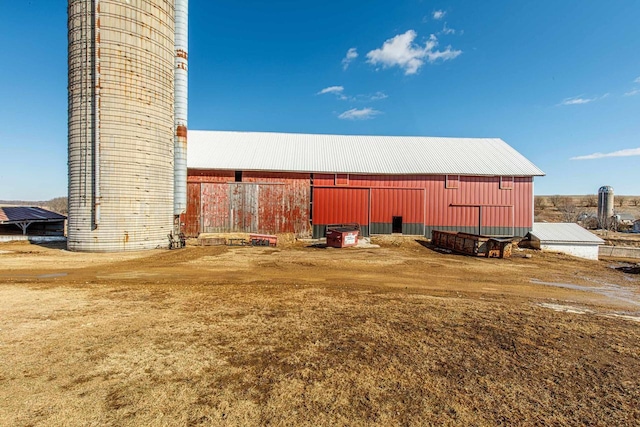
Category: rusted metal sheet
[243,207]
[262,203]
[214,210]
[191,217]
[472,244]
[203,175]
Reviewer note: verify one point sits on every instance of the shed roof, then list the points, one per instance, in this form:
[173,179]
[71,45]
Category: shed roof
[9,215]
[563,233]
[387,155]
[623,216]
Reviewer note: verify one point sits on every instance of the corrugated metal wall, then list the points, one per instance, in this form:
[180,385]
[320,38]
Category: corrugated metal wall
[121,61]
[279,202]
[261,203]
[340,205]
[504,211]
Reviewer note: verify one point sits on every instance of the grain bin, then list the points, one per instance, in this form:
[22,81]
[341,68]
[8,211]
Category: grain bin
[121,124]
[605,205]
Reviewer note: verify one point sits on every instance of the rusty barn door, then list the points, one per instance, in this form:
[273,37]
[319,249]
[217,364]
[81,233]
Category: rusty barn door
[243,207]
[191,217]
[214,207]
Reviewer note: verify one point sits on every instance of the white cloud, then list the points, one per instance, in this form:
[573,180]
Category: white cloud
[578,100]
[633,92]
[401,51]
[439,14]
[378,96]
[359,114]
[338,91]
[332,89]
[349,57]
[637,80]
[447,30]
[621,153]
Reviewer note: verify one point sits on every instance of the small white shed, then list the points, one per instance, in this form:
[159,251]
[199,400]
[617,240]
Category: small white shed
[567,238]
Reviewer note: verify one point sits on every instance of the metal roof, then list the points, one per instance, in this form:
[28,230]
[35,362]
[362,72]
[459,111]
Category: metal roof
[563,233]
[387,155]
[13,214]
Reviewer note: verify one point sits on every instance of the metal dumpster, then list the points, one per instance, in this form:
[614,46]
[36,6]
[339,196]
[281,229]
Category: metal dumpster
[472,244]
[343,235]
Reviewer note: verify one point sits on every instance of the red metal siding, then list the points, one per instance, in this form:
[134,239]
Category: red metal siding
[472,190]
[407,203]
[340,205]
[282,201]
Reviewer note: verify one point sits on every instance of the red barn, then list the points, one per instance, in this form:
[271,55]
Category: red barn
[296,183]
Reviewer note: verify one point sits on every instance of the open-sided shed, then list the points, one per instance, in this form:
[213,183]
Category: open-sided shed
[568,238]
[300,183]
[29,220]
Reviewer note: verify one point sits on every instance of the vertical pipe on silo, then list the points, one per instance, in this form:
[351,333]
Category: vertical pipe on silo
[181,92]
[96,113]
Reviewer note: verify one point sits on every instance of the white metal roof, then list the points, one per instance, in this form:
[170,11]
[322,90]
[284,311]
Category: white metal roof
[290,152]
[563,233]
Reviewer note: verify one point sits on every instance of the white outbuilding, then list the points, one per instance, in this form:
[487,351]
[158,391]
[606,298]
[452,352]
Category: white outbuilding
[567,238]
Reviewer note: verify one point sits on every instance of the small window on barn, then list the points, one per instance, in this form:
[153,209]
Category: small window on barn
[342,179]
[506,183]
[452,181]
[238,176]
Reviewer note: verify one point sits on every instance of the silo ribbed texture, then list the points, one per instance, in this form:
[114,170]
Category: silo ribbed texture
[121,124]
[181,92]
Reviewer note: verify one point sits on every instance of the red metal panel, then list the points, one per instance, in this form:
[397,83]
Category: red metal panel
[340,205]
[324,179]
[407,203]
[287,210]
[191,217]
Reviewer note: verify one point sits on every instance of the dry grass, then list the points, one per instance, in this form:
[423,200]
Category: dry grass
[400,335]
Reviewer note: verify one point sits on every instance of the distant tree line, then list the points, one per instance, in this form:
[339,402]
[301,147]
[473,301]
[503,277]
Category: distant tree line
[59,204]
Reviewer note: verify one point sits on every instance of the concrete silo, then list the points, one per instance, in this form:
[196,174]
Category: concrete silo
[122,59]
[605,205]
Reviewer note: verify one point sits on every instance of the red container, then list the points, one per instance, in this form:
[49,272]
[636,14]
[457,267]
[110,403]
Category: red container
[342,237]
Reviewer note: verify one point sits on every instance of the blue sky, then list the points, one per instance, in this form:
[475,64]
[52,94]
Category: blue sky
[557,80]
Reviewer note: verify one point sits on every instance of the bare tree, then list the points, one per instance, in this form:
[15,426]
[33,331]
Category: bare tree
[555,200]
[59,204]
[538,204]
[567,208]
[590,201]
[635,202]
[620,200]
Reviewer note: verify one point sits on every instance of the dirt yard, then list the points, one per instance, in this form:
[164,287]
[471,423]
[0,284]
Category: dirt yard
[240,336]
